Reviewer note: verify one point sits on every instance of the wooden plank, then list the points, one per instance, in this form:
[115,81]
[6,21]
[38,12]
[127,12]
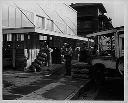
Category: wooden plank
[102,33]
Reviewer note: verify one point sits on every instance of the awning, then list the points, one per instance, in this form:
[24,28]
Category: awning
[61,34]
[101,33]
[7,30]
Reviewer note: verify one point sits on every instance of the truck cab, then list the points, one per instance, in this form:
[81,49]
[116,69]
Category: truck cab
[110,51]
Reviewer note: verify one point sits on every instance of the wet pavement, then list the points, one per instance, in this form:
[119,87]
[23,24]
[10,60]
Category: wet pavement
[37,86]
[55,87]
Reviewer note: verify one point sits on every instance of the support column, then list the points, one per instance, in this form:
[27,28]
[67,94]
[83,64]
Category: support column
[88,44]
[50,58]
[1,51]
[111,44]
[116,44]
[98,40]
[13,50]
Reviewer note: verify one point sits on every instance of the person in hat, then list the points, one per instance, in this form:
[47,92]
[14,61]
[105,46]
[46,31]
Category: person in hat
[67,52]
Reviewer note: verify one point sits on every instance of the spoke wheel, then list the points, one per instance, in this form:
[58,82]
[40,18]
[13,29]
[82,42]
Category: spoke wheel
[121,68]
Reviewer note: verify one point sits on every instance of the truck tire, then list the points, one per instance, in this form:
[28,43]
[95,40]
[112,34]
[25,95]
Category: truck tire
[120,66]
[98,73]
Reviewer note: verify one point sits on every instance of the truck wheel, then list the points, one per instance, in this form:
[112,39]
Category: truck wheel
[120,66]
[98,73]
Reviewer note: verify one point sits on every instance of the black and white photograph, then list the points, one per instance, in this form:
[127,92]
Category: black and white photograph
[67,51]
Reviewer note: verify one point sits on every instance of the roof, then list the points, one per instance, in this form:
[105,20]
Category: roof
[106,32]
[6,30]
[99,5]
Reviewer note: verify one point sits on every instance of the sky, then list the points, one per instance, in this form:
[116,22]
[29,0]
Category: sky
[115,10]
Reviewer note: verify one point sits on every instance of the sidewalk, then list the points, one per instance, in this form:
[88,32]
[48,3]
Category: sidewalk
[29,86]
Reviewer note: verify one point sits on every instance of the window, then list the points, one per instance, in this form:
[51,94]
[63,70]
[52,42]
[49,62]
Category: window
[41,37]
[51,25]
[50,38]
[20,37]
[9,37]
[40,22]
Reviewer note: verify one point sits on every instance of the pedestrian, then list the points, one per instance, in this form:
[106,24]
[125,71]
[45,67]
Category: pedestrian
[67,51]
[45,50]
[77,53]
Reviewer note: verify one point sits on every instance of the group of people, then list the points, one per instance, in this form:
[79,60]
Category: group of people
[82,52]
[67,54]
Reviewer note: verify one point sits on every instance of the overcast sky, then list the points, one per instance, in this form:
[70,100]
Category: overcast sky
[115,10]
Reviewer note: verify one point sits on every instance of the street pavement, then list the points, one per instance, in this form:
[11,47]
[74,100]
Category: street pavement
[37,86]
[111,90]
[19,85]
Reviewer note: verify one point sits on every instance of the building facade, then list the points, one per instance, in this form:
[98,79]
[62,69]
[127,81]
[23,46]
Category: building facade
[27,25]
[91,18]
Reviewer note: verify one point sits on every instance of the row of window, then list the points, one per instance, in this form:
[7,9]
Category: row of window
[20,37]
[8,37]
[47,24]
[13,17]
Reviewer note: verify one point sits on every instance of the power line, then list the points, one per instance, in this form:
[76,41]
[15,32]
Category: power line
[50,18]
[72,22]
[24,14]
[65,22]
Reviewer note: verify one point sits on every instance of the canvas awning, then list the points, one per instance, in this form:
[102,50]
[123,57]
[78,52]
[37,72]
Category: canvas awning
[101,33]
[6,30]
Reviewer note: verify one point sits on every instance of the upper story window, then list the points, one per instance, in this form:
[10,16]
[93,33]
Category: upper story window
[42,37]
[40,22]
[49,25]
[20,37]
[9,37]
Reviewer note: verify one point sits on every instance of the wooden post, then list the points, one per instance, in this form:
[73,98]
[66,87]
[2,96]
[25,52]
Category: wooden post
[13,49]
[111,44]
[50,59]
[98,40]
[88,45]
[116,45]
[1,49]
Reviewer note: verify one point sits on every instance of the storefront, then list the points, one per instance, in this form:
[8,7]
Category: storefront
[26,26]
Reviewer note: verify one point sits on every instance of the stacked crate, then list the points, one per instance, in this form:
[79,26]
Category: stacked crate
[80,70]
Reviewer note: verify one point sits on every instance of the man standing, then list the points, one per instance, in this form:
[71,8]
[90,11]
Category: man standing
[67,52]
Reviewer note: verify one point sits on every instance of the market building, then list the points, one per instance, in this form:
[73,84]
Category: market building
[27,25]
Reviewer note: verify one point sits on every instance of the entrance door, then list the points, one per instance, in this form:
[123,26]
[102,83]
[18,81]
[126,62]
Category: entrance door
[7,51]
[18,52]
[13,51]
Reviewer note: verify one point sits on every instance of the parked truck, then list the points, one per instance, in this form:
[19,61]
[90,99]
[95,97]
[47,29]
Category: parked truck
[109,59]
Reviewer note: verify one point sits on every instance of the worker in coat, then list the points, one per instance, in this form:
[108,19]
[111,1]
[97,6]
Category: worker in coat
[67,52]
